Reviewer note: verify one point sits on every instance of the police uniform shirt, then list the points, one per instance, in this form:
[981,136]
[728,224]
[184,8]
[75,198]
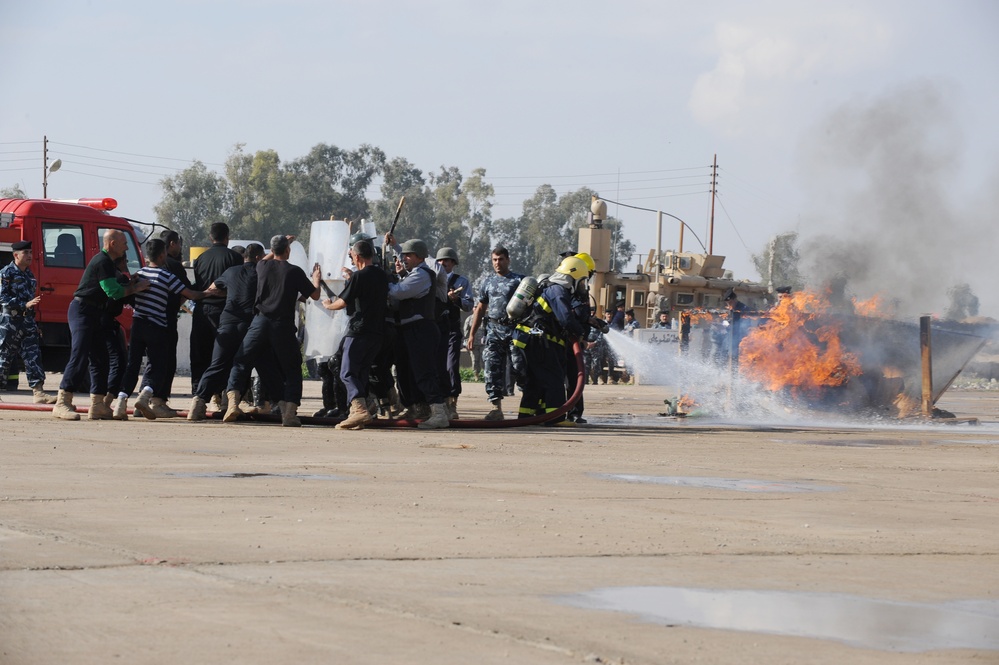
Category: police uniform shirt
[210,265]
[240,284]
[279,285]
[100,268]
[366,297]
[17,287]
[495,293]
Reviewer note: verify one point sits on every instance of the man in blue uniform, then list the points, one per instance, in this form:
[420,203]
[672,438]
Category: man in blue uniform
[494,294]
[459,299]
[88,351]
[18,330]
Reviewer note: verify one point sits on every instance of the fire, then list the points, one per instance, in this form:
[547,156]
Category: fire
[873,306]
[798,348]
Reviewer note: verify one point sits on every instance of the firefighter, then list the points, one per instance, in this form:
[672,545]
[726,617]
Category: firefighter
[544,336]
[18,330]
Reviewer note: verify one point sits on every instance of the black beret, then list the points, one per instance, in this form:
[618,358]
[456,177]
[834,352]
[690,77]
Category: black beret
[21,244]
[783,289]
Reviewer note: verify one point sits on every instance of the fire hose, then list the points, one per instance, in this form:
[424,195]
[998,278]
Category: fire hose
[540,419]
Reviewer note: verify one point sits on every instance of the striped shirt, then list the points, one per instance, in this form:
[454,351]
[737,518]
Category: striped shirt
[151,304]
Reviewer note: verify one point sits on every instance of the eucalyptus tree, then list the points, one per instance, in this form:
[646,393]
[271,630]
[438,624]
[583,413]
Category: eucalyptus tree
[192,201]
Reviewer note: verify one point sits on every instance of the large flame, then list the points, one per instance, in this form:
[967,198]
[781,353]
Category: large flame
[798,348]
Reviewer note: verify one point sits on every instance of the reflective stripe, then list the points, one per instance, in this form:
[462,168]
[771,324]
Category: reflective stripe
[519,344]
[527,411]
[544,305]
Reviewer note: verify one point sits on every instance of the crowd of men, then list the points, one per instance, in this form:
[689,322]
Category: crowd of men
[401,348]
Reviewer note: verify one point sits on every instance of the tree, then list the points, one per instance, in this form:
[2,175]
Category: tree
[193,200]
[778,263]
[332,182]
[261,197]
[15,192]
[401,178]
[963,302]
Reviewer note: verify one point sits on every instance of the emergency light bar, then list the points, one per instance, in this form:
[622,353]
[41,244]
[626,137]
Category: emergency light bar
[97,204]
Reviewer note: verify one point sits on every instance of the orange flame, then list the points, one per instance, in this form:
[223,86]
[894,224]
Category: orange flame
[798,348]
[873,306]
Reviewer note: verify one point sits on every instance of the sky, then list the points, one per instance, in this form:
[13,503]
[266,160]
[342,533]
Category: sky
[868,128]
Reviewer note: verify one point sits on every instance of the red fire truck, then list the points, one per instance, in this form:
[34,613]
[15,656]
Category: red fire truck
[64,236]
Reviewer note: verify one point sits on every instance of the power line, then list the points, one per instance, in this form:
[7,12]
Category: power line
[131,154]
[107,177]
[591,175]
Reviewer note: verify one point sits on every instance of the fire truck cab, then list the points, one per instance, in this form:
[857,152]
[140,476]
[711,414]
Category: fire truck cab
[64,236]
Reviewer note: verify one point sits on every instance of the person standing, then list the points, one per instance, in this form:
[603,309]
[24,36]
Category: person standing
[414,297]
[544,337]
[98,285]
[365,298]
[459,299]
[280,286]
[18,330]
[205,322]
[174,250]
[239,284]
[494,294]
[151,335]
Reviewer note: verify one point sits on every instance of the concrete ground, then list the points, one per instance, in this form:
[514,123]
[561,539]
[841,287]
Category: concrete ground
[638,539]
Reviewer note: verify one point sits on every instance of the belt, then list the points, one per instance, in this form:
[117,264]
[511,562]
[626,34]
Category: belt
[16,311]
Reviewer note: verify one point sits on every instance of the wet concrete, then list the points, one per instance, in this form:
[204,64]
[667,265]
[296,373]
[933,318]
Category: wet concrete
[867,623]
[168,541]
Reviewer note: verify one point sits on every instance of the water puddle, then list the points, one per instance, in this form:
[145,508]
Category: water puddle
[737,484]
[854,620]
[238,474]
[857,443]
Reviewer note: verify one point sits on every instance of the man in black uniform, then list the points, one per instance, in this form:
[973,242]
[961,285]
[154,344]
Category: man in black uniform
[280,285]
[98,285]
[204,324]
[174,248]
[239,284]
[365,299]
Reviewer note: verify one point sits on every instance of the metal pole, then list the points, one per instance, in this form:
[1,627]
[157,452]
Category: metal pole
[714,188]
[45,167]
[925,348]
[659,243]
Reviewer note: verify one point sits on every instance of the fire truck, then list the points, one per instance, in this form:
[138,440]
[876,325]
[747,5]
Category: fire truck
[64,236]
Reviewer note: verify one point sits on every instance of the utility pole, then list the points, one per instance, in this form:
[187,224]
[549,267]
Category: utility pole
[714,189]
[45,167]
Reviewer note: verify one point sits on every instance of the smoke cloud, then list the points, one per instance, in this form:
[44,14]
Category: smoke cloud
[892,215]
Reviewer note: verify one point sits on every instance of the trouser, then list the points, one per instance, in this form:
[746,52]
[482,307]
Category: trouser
[544,379]
[449,357]
[215,376]
[173,337]
[495,358]
[358,355]
[204,328]
[114,341]
[381,380]
[88,350]
[415,363]
[334,391]
[281,378]
[19,336]
[150,340]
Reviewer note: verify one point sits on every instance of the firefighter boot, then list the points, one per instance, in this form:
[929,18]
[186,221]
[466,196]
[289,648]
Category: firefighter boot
[142,405]
[359,416]
[42,397]
[497,412]
[98,409]
[289,415]
[452,408]
[232,412]
[120,409]
[198,410]
[160,408]
[438,417]
[64,408]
